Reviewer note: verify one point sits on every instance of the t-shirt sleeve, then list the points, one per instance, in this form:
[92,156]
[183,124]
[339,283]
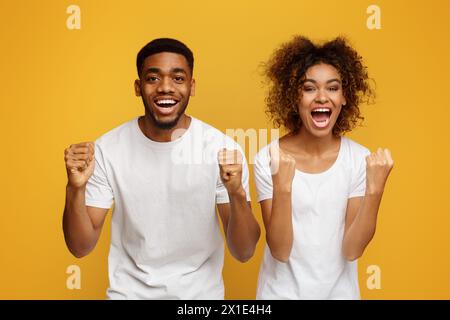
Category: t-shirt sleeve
[221,191]
[263,176]
[98,190]
[358,184]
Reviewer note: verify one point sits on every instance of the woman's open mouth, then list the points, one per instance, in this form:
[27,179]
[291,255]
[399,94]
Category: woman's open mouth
[321,117]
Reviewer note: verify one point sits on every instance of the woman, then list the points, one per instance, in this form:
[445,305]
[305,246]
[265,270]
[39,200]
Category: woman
[319,191]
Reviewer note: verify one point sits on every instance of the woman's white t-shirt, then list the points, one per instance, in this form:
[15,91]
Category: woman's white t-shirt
[316,268]
[166,241]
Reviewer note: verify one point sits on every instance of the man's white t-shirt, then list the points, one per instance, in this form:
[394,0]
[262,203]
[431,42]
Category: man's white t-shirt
[165,234]
[316,268]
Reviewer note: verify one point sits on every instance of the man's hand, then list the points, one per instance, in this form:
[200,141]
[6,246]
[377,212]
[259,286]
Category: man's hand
[230,164]
[378,166]
[282,167]
[80,163]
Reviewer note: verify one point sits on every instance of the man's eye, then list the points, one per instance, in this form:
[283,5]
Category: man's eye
[152,79]
[179,79]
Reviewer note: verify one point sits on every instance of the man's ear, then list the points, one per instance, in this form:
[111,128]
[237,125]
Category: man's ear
[192,87]
[137,87]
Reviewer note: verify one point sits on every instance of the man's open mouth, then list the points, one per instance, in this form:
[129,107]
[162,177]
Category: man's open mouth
[165,106]
[321,117]
[165,103]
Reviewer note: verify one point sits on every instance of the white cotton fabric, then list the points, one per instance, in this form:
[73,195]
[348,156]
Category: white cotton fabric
[165,235]
[316,268]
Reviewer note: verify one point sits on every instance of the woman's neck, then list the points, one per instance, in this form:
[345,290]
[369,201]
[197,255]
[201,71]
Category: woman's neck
[313,145]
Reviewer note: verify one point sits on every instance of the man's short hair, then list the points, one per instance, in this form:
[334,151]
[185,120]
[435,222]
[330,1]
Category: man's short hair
[164,45]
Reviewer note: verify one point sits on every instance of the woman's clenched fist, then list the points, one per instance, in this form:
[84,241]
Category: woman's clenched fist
[378,166]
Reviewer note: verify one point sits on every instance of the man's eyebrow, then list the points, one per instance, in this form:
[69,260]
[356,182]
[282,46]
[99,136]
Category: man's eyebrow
[158,70]
[179,70]
[152,70]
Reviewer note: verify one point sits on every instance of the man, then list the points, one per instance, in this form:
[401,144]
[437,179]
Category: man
[165,172]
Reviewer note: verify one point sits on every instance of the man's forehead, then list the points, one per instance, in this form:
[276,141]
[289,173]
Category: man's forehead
[166,59]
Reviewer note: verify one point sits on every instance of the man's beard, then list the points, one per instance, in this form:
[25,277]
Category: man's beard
[164,125]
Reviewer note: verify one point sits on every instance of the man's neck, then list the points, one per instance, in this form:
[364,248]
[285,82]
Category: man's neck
[155,133]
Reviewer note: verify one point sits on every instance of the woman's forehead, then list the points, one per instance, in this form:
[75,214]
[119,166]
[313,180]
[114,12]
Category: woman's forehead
[322,72]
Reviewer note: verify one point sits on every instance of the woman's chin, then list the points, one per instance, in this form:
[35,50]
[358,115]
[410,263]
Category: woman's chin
[319,132]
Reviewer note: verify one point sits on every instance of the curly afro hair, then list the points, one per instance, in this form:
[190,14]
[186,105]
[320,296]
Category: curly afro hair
[286,71]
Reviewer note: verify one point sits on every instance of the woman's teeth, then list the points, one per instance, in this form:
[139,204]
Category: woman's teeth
[321,117]
[321,110]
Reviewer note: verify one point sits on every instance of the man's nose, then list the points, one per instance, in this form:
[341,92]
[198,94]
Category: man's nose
[165,85]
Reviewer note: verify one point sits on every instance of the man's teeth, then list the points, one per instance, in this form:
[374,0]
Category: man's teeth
[166,101]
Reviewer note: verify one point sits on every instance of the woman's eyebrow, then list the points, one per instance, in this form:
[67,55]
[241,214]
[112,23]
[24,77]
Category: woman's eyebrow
[333,80]
[328,81]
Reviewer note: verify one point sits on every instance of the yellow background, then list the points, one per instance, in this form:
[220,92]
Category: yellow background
[61,86]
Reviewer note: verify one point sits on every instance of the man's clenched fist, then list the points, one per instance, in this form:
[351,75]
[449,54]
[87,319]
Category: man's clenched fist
[230,164]
[80,163]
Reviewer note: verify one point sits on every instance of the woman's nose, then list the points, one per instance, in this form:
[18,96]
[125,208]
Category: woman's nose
[321,97]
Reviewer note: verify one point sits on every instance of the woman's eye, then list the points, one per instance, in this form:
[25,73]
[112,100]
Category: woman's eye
[308,89]
[333,89]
